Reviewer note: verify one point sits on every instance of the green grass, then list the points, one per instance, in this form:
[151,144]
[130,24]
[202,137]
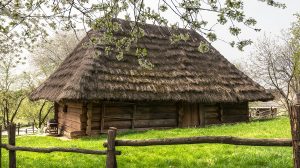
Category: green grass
[203,155]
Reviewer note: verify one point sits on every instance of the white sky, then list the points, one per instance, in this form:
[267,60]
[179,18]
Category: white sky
[270,20]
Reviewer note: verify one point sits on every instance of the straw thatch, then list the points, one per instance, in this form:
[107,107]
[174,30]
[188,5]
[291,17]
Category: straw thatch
[181,73]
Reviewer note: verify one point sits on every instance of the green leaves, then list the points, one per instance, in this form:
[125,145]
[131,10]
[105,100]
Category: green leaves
[203,47]
[23,22]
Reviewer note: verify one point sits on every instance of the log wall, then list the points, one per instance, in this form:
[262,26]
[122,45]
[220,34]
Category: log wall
[133,115]
[94,118]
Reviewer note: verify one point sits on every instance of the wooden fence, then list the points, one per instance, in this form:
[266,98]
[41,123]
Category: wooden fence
[12,148]
[111,152]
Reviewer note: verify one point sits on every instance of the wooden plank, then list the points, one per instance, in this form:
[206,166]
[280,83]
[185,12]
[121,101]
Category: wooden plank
[89,119]
[155,123]
[201,115]
[117,124]
[102,117]
[212,121]
[132,116]
[171,115]
[83,117]
[211,115]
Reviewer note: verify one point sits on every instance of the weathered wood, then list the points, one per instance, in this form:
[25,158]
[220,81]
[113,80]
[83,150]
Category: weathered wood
[154,115]
[89,121]
[206,139]
[12,141]
[155,123]
[111,161]
[0,146]
[56,110]
[102,117]
[295,129]
[221,112]
[117,124]
[83,117]
[132,116]
[201,115]
[55,149]
[211,115]
[180,114]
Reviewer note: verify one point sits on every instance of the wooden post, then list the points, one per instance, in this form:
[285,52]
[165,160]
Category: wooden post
[89,121]
[0,146]
[201,115]
[26,131]
[102,118]
[111,161]
[12,141]
[295,129]
[179,114]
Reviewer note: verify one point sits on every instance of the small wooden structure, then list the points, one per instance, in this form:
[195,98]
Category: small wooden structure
[263,110]
[185,88]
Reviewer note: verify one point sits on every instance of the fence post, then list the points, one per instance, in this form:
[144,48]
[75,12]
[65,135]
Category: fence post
[0,146]
[111,161]
[12,141]
[32,128]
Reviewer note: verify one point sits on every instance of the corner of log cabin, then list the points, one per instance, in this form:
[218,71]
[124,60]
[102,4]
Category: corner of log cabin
[72,123]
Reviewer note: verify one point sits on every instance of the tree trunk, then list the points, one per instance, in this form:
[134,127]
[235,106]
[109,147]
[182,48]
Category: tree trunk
[295,128]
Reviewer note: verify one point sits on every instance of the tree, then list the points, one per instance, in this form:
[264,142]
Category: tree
[276,63]
[24,22]
[50,52]
[11,92]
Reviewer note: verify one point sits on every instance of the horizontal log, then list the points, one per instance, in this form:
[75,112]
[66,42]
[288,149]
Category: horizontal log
[235,112]
[212,121]
[210,109]
[211,115]
[155,123]
[55,149]
[206,139]
[164,115]
[75,105]
[74,110]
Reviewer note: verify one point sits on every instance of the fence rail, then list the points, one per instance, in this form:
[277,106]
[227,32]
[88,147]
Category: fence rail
[205,139]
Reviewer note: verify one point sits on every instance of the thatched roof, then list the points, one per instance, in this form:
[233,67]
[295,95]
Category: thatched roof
[180,73]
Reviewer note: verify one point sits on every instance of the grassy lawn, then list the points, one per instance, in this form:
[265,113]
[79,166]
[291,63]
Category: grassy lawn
[204,155]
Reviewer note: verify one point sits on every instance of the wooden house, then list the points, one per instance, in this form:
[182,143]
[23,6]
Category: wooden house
[185,88]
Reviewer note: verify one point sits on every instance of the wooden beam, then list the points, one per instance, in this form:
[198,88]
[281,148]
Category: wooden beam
[201,112]
[179,114]
[102,117]
[132,116]
[89,119]
[206,139]
[221,112]
[55,149]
